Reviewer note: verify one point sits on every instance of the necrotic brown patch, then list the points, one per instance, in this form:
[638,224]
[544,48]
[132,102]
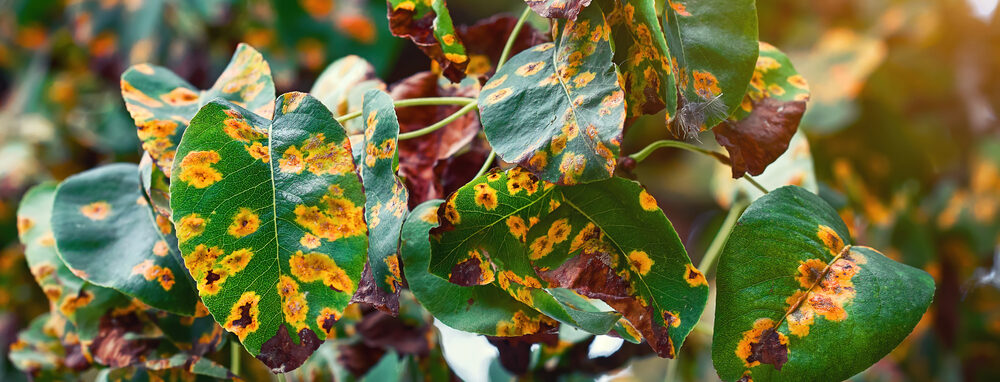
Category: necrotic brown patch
[282,354]
[763,344]
[474,270]
[242,319]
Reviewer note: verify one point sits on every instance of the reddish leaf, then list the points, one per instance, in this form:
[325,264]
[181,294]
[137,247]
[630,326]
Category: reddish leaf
[486,38]
[563,9]
[758,139]
[423,24]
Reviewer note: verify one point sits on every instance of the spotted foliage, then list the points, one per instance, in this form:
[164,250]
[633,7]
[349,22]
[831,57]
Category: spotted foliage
[563,9]
[162,104]
[642,57]
[108,235]
[385,199]
[483,309]
[428,24]
[606,240]
[39,353]
[713,48]
[557,109]
[760,130]
[276,240]
[798,299]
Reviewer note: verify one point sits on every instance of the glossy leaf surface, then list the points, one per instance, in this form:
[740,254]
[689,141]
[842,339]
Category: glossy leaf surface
[385,199]
[162,104]
[483,309]
[713,48]
[429,25]
[270,220]
[607,240]
[557,109]
[106,234]
[798,301]
[642,57]
[760,130]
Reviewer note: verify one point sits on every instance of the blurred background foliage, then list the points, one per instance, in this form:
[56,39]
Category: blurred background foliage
[901,134]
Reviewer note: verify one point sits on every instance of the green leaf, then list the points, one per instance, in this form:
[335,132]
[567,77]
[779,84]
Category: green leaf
[342,85]
[71,297]
[606,240]
[155,188]
[429,25]
[713,48]
[761,128]
[39,353]
[798,301]
[483,309]
[179,367]
[642,57]
[269,215]
[107,235]
[557,109]
[162,104]
[385,200]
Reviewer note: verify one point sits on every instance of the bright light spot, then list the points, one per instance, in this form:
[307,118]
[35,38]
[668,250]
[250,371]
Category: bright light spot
[983,9]
[604,346]
[469,355]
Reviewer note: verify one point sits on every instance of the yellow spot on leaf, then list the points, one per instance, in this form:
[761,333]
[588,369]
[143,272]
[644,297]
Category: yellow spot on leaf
[160,248]
[196,168]
[646,201]
[237,260]
[705,84]
[72,303]
[96,211]
[830,239]
[530,68]
[326,320]
[309,241]
[753,336]
[498,96]
[693,276]
[517,227]
[242,319]
[319,267]
[151,272]
[640,262]
[180,96]
[333,218]
[244,223]
[259,151]
[190,226]
[486,196]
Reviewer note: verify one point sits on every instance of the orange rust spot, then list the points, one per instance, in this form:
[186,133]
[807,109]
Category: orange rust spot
[259,151]
[646,201]
[160,248]
[24,224]
[672,319]
[693,276]
[572,166]
[317,266]
[456,57]
[583,79]
[196,168]
[244,223]
[236,261]
[705,84]
[830,289]
[519,179]
[540,247]
[831,239]
[394,278]
[201,259]
[334,218]
[96,211]
[486,196]
[318,157]
[589,233]
[163,223]
[498,96]
[239,129]
[539,160]
[640,262]
[517,227]
[242,319]
[385,150]
[155,128]
[430,216]
[72,303]
[180,96]
[495,82]
[309,241]
[809,272]
[212,282]
[530,68]
[190,226]
[326,320]
[291,161]
[520,324]
[451,212]
[762,343]
[293,305]
[151,272]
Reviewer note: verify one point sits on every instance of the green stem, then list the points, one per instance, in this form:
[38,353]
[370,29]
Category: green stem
[754,183]
[442,123]
[487,164]
[671,370]
[429,101]
[281,377]
[719,241]
[513,36]
[646,151]
[234,357]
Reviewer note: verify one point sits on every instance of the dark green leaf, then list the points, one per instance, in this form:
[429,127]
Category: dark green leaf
[107,235]
[557,109]
[713,48]
[798,301]
[642,57]
[162,104]
[270,219]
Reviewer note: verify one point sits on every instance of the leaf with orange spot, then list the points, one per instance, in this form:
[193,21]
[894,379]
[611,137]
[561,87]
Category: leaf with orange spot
[558,109]
[308,205]
[606,243]
[118,251]
[563,9]
[759,131]
[798,299]
[162,104]
[642,57]
[428,24]
[713,48]
[38,352]
[385,202]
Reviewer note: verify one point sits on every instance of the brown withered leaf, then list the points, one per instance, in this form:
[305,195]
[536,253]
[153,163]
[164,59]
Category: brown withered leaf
[358,358]
[418,158]
[515,352]
[761,137]
[370,293]
[111,346]
[562,9]
[590,275]
[403,22]
[486,38]
[281,353]
[380,330]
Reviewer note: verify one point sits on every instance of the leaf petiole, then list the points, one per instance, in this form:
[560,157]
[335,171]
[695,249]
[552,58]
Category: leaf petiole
[641,155]
[428,101]
[442,123]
